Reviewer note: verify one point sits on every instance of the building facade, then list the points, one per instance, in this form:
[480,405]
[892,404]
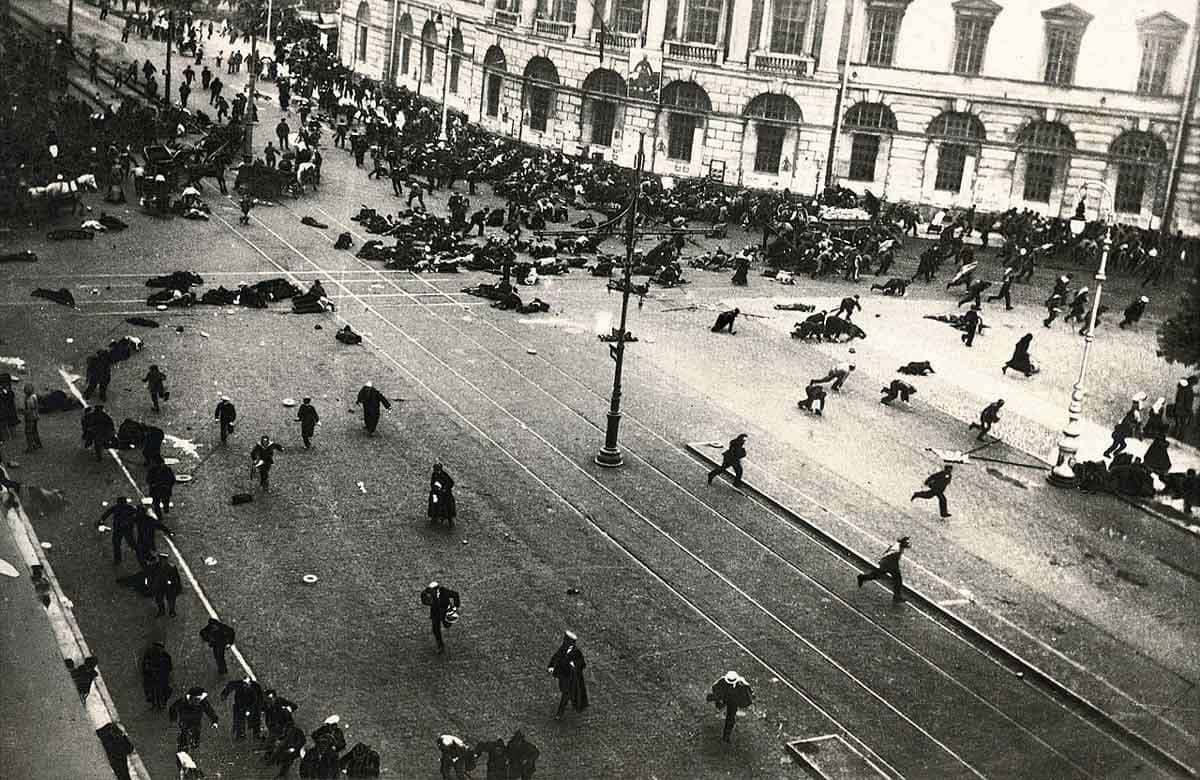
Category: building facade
[940,102]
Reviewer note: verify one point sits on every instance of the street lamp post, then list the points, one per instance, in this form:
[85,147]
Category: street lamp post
[1063,473]
[444,12]
[251,118]
[610,454]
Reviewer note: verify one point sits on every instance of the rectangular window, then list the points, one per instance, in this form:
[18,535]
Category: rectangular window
[1062,47]
[362,43]
[1131,187]
[626,17]
[604,118]
[1157,56]
[405,55]
[770,148]
[702,21]
[680,131]
[556,10]
[1039,176]
[428,64]
[864,150]
[540,99]
[883,25]
[970,41]
[495,82]
[952,159]
[789,21]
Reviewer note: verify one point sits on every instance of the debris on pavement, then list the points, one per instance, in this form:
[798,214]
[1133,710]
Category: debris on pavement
[241,498]
[313,223]
[46,545]
[309,579]
[142,321]
[210,561]
[362,487]
[15,363]
[24,256]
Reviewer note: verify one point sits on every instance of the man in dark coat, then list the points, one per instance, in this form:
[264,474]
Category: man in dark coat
[226,415]
[308,418]
[725,321]
[277,711]
[99,374]
[190,710]
[370,400]
[161,481]
[1005,291]
[281,132]
[100,430]
[147,526]
[218,636]
[263,458]
[935,487]
[156,383]
[123,516]
[439,600]
[987,418]
[898,388]
[848,307]
[247,706]
[731,458]
[567,665]
[156,675]
[1133,313]
[1185,403]
[889,566]
[162,578]
[733,693]
[971,323]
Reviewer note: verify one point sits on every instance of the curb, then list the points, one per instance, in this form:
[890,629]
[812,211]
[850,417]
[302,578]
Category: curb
[1012,660]
[100,708]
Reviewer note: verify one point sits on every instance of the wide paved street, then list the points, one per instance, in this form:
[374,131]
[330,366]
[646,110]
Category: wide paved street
[668,582]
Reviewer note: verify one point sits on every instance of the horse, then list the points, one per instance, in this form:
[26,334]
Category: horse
[212,169]
[55,194]
[306,173]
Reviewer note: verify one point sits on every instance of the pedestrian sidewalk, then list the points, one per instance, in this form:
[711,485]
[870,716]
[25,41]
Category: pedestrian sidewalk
[47,734]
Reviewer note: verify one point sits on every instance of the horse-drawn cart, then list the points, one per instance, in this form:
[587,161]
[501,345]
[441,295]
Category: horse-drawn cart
[162,161]
[266,183]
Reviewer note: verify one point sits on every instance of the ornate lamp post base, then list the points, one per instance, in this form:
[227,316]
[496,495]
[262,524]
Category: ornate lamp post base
[1063,475]
[609,455]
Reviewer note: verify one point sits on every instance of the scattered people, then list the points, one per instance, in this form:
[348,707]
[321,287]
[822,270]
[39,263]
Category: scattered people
[567,665]
[732,458]
[898,388]
[442,505]
[731,693]
[218,636]
[935,487]
[226,416]
[263,458]
[987,418]
[1021,360]
[190,710]
[725,321]
[443,606]
[370,400]
[308,418]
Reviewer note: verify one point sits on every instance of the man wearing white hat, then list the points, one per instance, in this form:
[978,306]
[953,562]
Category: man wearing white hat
[226,415]
[1134,312]
[441,601]
[733,693]
[567,664]
[457,758]
[370,400]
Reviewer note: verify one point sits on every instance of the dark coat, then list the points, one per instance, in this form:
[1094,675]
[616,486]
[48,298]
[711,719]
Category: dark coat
[226,412]
[736,695]
[337,738]
[370,399]
[441,505]
[735,452]
[161,479]
[156,382]
[217,634]
[439,600]
[163,578]
[156,674]
[247,695]
[567,665]
[189,712]
[307,416]
[938,481]
[265,454]
[147,525]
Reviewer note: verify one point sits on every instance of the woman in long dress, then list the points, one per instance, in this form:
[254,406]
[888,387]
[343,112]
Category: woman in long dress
[1021,360]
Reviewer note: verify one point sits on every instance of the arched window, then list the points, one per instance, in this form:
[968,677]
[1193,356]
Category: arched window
[867,124]
[494,66]
[603,113]
[406,31]
[1047,147]
[456,47]
[429,40]
[957,135]
[541,78]
[773,113]
[1139,156]
[686,103]
[362,24]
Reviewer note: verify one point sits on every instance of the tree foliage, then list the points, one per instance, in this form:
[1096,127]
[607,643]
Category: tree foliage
[1179,335]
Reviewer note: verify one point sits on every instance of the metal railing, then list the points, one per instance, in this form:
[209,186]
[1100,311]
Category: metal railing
[508,19]
[780,64]
[548,28]
[616,41]
[707,53]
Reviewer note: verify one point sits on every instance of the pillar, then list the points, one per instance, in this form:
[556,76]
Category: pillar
[831,37]
[739,37]
[656,23]
[584,11]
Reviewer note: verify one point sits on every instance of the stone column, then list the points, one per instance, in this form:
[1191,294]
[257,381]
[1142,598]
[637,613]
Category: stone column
[739,36]
[584,11]
[831,38]
[656,23]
